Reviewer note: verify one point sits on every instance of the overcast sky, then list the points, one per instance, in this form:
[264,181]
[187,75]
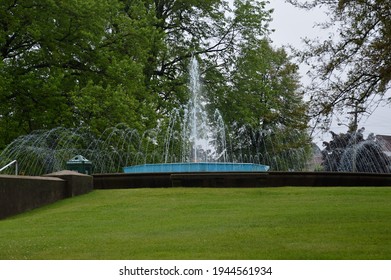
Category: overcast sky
[292,24]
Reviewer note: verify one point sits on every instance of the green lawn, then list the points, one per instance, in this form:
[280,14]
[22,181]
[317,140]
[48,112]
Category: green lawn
[205,223]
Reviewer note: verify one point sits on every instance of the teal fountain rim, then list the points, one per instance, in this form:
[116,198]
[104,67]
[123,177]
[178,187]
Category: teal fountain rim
[196,167]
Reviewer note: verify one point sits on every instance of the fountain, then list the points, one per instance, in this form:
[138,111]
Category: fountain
[203,145]
[200,145]
[350,152]
[191,141]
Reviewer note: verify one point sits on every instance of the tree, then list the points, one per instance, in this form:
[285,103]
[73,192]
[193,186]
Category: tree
[353,65]
[264,110]
[73,63]
[209,29]
[117,93]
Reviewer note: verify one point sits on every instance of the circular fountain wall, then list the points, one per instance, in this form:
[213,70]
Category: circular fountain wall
[196,167]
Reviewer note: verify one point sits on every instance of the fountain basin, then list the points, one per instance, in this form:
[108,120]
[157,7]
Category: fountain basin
[196,167]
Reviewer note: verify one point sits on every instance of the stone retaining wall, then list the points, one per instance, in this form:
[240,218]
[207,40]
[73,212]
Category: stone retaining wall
[250,180]
[22,193]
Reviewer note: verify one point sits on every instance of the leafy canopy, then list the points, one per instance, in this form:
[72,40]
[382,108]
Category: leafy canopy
[353,65]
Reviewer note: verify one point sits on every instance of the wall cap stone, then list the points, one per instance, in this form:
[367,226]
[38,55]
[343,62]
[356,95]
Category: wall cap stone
[23,177]
[66,173]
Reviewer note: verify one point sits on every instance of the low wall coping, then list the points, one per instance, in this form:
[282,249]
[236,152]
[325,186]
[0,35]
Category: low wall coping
[65,173]
[23,177]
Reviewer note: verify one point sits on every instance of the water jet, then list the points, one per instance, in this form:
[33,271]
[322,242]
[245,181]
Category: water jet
[203,145]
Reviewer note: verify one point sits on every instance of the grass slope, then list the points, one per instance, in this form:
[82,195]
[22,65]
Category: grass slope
[197,223]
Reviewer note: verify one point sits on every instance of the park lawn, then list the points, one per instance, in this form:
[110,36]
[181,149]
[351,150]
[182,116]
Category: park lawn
[206,223]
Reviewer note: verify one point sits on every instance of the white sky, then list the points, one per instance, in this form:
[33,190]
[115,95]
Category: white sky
[291,25]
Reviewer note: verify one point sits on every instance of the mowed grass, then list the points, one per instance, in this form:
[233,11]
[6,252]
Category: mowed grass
[205,223]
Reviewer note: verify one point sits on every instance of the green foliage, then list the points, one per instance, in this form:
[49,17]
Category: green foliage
[57,55]
[263,108]
[251,20]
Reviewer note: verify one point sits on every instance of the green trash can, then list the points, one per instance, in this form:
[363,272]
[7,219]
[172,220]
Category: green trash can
[80,164]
